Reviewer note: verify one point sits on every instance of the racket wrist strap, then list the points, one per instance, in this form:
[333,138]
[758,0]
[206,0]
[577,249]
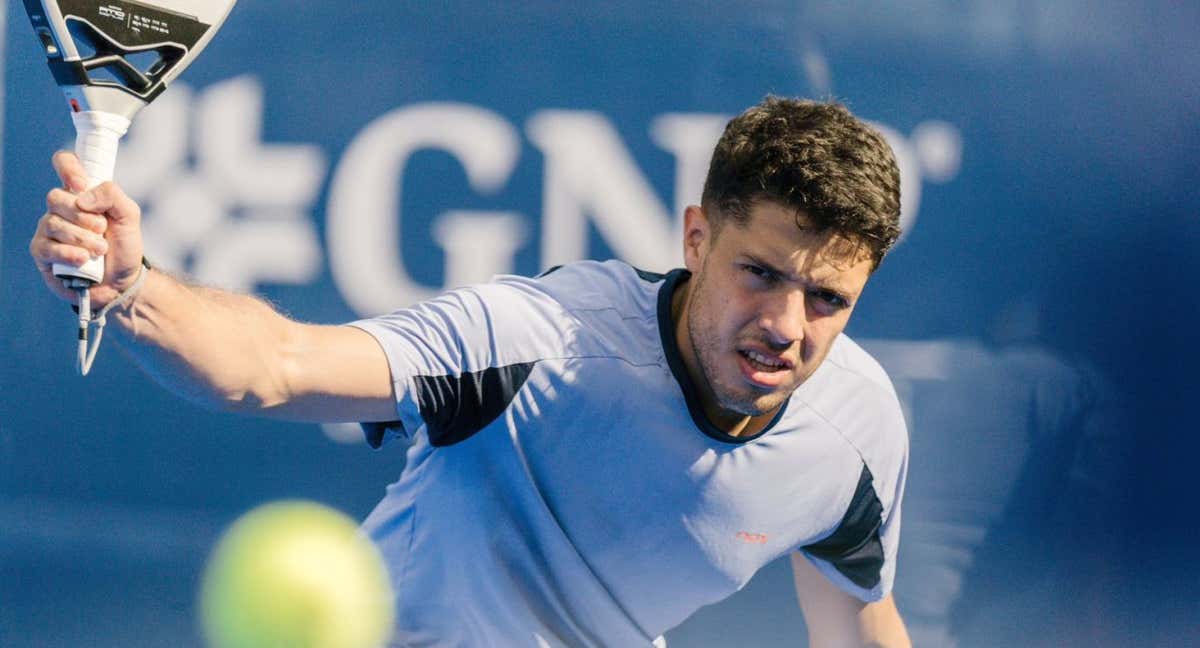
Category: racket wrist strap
[128,294]
[87,352]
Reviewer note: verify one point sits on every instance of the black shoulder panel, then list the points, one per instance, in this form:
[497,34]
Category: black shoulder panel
[855,548]
[456,407]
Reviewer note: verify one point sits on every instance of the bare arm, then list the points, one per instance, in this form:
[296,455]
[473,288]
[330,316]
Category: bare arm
[217,348]
[837,620]
[235,352]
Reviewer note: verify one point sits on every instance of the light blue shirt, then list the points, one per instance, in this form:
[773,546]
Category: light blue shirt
[563,488]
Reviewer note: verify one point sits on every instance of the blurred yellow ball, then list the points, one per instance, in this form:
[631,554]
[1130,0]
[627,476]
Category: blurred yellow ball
[296,574]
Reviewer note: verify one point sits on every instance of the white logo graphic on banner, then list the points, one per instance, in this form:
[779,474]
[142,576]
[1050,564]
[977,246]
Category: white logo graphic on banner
[240,214]
[590,179]
[230,210]
[363,218]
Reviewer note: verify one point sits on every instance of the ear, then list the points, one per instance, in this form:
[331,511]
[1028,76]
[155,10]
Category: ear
[697,237]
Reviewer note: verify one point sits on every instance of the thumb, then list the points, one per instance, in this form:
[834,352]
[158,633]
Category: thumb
[124,233]
[108,199]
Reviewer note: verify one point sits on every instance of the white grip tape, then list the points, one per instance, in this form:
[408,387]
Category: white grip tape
[97,135]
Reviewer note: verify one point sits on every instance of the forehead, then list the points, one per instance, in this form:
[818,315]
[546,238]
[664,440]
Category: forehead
[786,239]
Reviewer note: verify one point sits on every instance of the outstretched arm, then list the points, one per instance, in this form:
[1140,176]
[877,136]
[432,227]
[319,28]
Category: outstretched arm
[837,620]
[217,348]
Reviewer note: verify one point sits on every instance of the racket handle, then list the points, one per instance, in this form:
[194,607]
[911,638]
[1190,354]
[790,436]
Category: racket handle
[96,137]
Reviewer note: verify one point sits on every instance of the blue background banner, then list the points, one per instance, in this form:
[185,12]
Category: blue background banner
[343,159]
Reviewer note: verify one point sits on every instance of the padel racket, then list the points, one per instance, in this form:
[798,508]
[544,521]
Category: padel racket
[111,58]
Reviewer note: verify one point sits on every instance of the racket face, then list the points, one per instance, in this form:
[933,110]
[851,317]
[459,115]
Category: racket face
[116,55]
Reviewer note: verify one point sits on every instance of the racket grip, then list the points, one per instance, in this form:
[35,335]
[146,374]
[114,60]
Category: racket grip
[97,135]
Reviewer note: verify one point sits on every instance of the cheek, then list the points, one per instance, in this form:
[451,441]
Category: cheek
[739,317]
[821,335]
[727,311]
[738,305]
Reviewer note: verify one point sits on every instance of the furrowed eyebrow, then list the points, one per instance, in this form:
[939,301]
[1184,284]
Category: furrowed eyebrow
[751,258]
[766,266]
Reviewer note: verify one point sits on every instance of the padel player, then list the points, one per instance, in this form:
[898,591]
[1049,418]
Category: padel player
[595,453]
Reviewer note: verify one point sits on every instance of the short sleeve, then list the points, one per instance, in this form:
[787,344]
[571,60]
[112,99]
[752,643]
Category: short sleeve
[859,556]
[457,360]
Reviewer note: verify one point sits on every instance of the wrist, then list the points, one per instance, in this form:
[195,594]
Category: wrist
[124,299]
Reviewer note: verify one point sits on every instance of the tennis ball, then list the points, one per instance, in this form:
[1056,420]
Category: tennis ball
[295,574]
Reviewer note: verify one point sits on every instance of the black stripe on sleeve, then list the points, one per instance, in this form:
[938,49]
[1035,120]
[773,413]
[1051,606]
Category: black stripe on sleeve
[456,407]
[376,432]
[854,548]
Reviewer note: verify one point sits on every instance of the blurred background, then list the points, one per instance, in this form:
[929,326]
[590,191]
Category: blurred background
[344,159]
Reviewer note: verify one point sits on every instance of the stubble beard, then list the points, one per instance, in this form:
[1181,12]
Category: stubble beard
[702,327]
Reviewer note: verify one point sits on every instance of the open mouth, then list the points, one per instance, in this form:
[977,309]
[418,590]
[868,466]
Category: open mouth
[761,362]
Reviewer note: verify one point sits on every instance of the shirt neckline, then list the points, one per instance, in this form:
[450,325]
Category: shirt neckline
[666,331]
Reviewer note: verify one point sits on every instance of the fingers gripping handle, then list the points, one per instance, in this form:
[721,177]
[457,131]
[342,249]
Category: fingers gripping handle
[96,137]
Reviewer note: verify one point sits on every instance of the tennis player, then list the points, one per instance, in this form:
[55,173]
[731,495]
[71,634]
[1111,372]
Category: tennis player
[594,453]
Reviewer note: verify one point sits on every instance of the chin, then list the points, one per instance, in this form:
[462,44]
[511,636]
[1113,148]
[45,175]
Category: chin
[752,404]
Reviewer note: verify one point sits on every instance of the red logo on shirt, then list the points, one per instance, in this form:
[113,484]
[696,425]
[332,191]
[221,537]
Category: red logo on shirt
[752,538]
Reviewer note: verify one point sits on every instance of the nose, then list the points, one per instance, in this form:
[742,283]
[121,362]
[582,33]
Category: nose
[783,319]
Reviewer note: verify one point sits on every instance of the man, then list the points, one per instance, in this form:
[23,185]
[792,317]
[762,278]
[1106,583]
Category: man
[597,452]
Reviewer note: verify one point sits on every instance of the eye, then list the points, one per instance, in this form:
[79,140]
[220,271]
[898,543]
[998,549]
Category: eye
[759,272]
[831,299]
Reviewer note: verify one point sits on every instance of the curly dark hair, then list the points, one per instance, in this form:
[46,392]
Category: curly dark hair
[815,157]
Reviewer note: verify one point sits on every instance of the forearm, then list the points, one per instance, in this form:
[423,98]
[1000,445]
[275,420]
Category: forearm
[837,620]
[894,636]
[885,634]
[216,348]
[882,626]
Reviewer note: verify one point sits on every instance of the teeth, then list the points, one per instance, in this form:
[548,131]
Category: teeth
[762,359]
